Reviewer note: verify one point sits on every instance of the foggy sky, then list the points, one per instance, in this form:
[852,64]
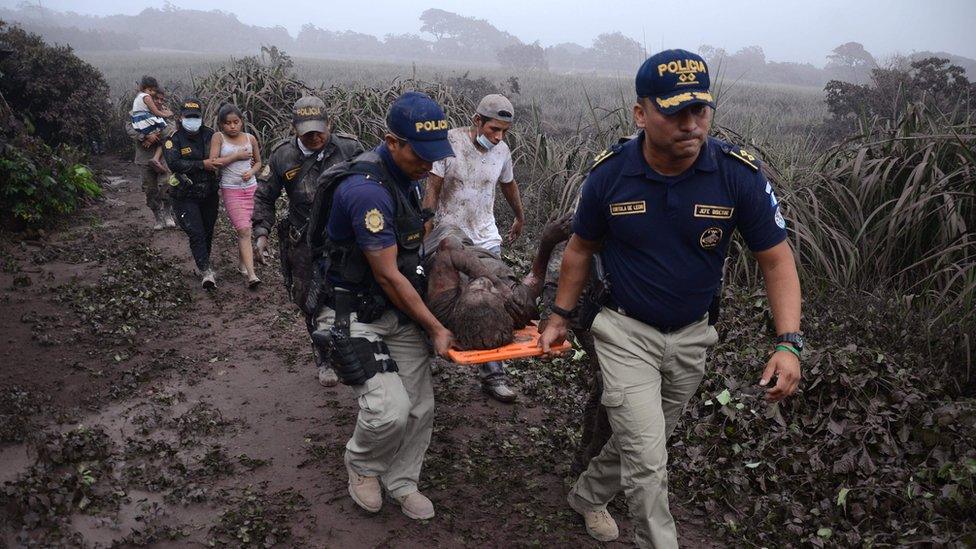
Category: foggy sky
[802,31]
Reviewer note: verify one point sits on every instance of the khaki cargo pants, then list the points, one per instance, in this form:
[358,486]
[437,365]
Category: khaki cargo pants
[396,410]
[156,188]
[648,378]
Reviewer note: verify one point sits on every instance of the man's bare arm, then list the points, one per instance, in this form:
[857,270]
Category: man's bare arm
[405,298]
[783,291]
[573,274]
[555,232]
[432,194]
[514,199]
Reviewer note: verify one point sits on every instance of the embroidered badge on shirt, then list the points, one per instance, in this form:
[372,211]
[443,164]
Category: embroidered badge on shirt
[169,144]
[374,221]
[185,151]
[710,238]
[290,174]
[714,212]
[628,208]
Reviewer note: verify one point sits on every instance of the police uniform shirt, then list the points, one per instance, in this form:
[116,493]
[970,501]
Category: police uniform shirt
[363,209]
[665,237]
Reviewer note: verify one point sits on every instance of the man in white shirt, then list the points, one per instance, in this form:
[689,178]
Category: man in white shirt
[461,192]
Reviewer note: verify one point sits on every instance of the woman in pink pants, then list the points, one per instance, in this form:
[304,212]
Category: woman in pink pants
[239,156]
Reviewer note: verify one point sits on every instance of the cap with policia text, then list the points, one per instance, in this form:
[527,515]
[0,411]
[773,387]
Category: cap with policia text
[496,106]
[673,80]
[419,120]
[191,108]
[309,115]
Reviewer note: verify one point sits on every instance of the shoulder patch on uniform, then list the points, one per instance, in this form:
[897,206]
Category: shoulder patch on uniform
[290,174]
[603,156]
[743,156]
[374,221]
[169,144]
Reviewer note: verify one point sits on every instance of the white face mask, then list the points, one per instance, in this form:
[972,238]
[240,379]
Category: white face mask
[484,142]
[191,125]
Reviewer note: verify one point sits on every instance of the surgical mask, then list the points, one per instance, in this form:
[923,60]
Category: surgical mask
[192,125]
[485,142]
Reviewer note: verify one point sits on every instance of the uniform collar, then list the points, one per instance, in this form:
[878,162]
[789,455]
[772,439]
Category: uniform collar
[634,163]
[391,166]
[306,152]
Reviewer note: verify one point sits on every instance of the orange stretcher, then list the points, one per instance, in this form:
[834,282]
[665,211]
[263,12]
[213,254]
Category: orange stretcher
[525,345]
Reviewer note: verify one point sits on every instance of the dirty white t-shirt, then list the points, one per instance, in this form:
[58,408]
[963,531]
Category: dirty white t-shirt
[467,197]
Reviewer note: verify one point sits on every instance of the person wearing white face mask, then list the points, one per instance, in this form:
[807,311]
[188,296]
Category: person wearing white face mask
[194,189]
[461,192]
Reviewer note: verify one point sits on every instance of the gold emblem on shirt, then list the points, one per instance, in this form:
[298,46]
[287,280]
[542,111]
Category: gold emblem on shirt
[628,208]
[710,238]
[169,144]
[374,221]
[290,174]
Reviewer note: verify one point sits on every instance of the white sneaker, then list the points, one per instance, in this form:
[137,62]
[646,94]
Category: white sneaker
[327,376]
[209,281]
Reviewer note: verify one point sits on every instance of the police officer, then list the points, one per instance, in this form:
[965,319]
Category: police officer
[195,196]
[295,166]
[661,209]
[367,221]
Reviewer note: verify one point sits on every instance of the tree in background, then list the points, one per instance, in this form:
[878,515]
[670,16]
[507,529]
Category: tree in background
[63,98]
[851,62]
[524,57]
[933,83]
[614,50]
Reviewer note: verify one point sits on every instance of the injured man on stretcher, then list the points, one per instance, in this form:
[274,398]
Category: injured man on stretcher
[475,294]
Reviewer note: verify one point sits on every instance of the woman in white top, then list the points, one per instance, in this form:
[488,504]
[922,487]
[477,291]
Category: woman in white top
[239,157]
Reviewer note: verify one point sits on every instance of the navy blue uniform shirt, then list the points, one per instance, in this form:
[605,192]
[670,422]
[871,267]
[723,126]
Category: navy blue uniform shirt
[363,209]
[665,237]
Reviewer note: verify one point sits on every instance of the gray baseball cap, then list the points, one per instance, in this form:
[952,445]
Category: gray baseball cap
[309,115]
[496,106]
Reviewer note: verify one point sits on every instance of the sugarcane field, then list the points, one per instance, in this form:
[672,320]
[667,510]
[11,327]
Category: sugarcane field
[527,275]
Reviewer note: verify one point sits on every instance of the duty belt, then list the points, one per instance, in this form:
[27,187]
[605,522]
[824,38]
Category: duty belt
[664,329]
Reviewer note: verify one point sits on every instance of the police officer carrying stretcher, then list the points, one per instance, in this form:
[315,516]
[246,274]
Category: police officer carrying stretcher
[366,233]
[294,167]
[660,209]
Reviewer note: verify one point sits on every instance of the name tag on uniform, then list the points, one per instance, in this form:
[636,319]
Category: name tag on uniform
[713,212]
[628,208]
[185,151]
[290,174]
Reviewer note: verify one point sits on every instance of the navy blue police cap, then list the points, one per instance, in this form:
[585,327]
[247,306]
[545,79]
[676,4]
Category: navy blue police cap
[419,120]
[191,107]
[673,80]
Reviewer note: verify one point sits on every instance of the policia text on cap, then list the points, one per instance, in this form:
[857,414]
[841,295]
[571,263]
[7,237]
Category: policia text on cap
[660,210]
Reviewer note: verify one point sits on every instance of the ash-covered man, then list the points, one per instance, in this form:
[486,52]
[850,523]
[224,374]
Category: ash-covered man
[294,167]
[461,192]
[661,210]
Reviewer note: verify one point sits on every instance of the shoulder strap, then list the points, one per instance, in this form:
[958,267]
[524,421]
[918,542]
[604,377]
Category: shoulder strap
[741,155]
[325,190]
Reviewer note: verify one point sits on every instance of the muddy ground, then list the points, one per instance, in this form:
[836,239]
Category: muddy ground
[137,409]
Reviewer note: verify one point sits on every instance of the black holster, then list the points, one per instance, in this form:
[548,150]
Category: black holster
[355,360]
[714,307]
[284,246]
[596,296]
[319,289]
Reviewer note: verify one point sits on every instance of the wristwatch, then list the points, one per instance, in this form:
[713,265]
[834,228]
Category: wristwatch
[557,310]
[793,338]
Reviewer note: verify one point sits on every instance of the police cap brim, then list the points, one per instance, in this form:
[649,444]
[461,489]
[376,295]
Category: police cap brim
[674,102]
[306,126]
[431,151]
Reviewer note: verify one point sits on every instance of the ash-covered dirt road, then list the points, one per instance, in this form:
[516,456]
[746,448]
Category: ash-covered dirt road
[137,409]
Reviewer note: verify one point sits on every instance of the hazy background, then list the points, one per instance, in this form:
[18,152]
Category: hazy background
[787,42]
